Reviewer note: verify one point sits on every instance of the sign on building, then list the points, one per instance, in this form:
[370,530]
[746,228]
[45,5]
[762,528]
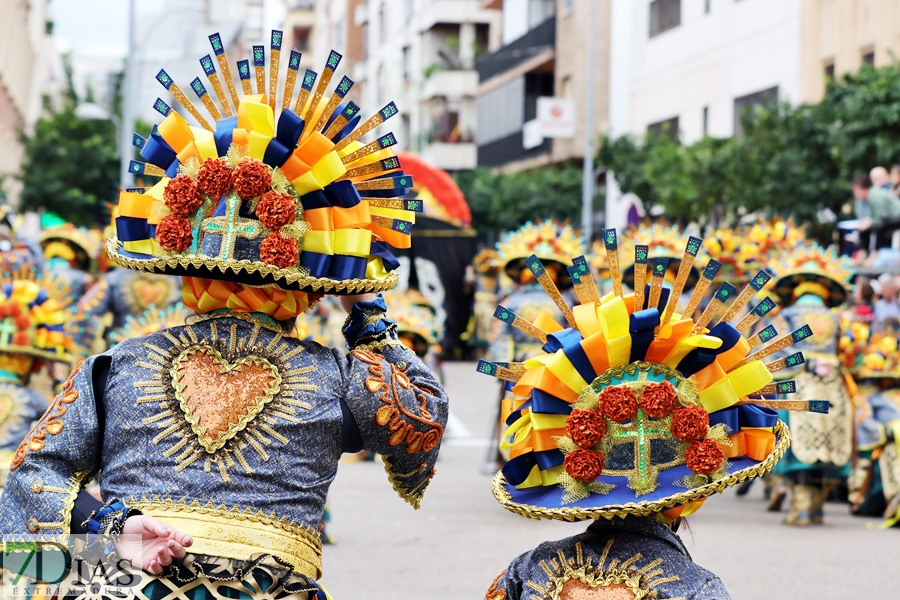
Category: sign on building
[556,117]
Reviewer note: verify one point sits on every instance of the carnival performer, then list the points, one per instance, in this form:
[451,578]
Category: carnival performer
[488,286]
[633,418]
[811,285]
[68,254]
[14,247]
[31,334]
[198,425]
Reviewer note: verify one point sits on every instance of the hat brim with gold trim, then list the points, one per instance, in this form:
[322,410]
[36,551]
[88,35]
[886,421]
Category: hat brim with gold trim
[549,240]
[636,410]
[289,199]
[787,284]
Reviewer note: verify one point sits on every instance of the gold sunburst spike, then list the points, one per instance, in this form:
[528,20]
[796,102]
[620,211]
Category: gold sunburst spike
[781,343]
[788,362]
[611,243]
[290,79]
[498,370]
[722,295]
[384,165]
[393,224]
[523,325]
[218,47]
[684,271]
[341,90]
[706,279]
[767,334]
[543,277]
[203,96]
[385,141]
[331,65]
[136,167]
[243,67]
[641,254]
[306,86]
[387,183]
[765,306]
[583,281]
[753,287]
[259,67]
[788,386]
[209,69]
[658,268]
[815,406]
[371,123]
[274,64]
[172,87]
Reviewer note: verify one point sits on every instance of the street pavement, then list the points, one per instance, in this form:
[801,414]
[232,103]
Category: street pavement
[461,539]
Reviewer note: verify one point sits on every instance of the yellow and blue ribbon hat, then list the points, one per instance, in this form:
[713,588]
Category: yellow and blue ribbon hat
[810,268]
[269,193]
[549,240]
[634,409]
[31,318]
[55,240]
[867,353]
[655,240]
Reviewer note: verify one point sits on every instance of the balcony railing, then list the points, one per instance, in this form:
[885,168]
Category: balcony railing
[518,51]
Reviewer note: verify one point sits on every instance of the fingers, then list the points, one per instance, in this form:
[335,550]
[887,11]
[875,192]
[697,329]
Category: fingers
[163,556]
[182,538]
[154,568]
[158,528]
[176,550]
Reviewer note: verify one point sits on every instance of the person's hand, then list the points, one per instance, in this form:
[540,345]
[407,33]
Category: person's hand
[150,544]
[347,302]
[865,224]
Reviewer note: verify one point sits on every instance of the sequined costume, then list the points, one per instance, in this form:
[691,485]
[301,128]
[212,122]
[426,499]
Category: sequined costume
[874,480]
[20,407]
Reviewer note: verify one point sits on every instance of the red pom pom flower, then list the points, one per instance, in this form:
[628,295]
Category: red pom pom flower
[214,178]
[586,427]
[251,178]
[174,233]
[279,251]
[21,339]
[619,403]
[276,210]
[690,424]
[704,457]
[658,399]
[583,465]
[182,196]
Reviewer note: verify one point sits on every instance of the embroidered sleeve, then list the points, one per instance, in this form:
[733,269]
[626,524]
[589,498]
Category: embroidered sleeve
[496,591]
[87,325]
[367,327]
[58,455]
[401,410]
[714,589]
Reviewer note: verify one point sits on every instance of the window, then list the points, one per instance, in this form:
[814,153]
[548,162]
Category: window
[868,57]
[829,70]
[707,6]
[668,128]
[339,35]
[664,15]
[406,64]
[382,24]
[301,38]
[705,121]
[745,104]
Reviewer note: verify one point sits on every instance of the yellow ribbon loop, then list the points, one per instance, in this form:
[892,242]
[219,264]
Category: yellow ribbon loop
[736,385]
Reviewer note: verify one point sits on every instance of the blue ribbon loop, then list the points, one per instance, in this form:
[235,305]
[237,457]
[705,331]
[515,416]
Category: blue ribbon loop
[700,358]
[641,326]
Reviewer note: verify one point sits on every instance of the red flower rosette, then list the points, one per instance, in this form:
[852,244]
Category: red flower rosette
[251,178]
[618,403]
[21,338]
[276,210]
[658,399]
[279,251]
[690,424]
[586,427]
[174,233]
[704,457]
[583,465]
[181,196]
[214,178]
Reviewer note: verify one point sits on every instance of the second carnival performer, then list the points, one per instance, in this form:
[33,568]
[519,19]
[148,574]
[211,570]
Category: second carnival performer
[229,429]
[633,417]
[68,254]
[811,285]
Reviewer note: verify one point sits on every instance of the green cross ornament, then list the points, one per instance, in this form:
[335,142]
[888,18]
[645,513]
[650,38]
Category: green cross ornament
[276,38]
[294,62]
[7,330]
[259,56]
[231,227]
[639,432]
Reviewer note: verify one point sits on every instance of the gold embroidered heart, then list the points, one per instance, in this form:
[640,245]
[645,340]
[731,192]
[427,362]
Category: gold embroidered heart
[220,398]
[151,292]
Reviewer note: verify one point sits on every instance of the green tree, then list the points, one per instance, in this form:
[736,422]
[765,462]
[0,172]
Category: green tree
[70,165]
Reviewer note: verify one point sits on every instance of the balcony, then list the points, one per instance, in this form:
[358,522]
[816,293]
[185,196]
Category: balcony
[450,84]
[451,157]
[533,43]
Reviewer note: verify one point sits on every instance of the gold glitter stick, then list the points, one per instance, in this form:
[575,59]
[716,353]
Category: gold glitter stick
[200,90]
[139,168]
[386,183]
[767,334]
[331,66]
[658,268]
[706,279]
[511,318]
[397,204]
[543,277]
[757,283]
[788,386]
[274,63]
[816,406]
[386,164]
[339,92]
[725,291]
[385,141]
[210,70]
[290,79]
[684,271]
[612,255]
[259,65]
[583,281]
[309,80]
[374,121]
[497,370]
[219,50]
[641,254]
[787,362]
[781,343]
[766,306]
[244,73]
[168,83]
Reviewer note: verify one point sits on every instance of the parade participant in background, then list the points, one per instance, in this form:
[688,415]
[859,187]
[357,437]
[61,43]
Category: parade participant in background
[811,285]
[68,254]
[24,250]
[633,418]
[873,358]
[31,334]
[228,429]
[417,325]
[489,285]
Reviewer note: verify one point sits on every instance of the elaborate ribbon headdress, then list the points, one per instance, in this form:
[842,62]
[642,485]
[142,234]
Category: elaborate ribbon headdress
[60,242]
[549,240]
[636,409]
[810,267]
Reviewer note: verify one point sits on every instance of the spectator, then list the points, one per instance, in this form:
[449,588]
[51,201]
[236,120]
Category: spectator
[895,180]
[863,299]
[872,204]
[887,309]
[880,178]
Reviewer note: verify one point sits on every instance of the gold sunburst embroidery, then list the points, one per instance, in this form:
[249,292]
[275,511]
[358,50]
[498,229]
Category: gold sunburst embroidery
[223,444]
[14,409]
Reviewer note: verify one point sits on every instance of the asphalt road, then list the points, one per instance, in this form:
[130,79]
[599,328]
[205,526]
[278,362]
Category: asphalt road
[461,539]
